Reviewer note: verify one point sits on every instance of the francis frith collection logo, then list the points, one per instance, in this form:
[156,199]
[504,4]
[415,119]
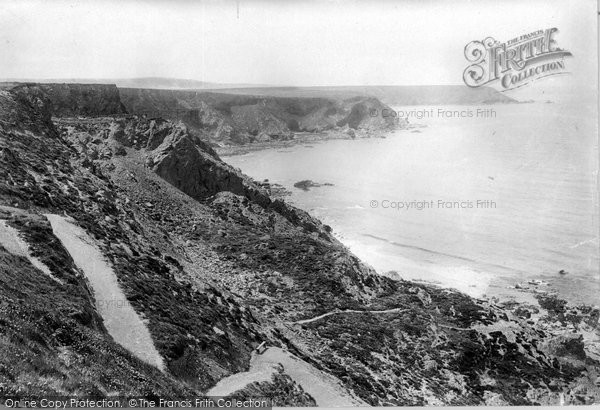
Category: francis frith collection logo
[516,62]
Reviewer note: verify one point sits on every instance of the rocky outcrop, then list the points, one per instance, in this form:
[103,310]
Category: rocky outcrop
[26,108]
[192,166]
[365,113]
[307,184]
[178,161]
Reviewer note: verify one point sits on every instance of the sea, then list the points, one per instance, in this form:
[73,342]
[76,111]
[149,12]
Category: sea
[493,200]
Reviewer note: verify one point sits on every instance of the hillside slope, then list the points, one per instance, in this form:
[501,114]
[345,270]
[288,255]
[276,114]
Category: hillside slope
[216,266]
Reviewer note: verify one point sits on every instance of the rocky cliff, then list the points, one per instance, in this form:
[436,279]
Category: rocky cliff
[242,119]
[216,267]
[77,99]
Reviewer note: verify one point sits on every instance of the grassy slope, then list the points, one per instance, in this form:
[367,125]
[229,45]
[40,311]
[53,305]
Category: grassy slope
[51,339]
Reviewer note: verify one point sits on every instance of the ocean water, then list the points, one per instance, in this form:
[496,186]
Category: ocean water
[409,202]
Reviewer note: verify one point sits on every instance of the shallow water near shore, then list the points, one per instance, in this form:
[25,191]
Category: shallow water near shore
[478,204]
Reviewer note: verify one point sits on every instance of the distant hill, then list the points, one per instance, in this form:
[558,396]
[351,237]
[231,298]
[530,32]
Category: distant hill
[142,82]
[176,84]
[392,95]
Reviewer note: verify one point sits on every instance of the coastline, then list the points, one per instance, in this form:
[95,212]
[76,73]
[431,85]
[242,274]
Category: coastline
[518,289]
[300,138]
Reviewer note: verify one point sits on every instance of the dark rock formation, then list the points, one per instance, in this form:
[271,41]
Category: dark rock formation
[307,184]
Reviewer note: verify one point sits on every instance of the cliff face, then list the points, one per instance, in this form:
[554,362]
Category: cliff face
[216,267]
[241,119]
[77,99]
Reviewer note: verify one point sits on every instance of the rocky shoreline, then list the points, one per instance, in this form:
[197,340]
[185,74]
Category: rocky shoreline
[305,138]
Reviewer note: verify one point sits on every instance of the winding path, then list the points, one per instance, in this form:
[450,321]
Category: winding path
[120,319]
[324,388]
[337,312]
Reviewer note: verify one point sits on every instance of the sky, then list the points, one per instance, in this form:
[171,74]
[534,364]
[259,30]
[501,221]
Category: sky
[302,43]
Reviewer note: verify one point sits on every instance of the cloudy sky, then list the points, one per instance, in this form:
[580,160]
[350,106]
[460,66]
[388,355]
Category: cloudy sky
[305,42]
